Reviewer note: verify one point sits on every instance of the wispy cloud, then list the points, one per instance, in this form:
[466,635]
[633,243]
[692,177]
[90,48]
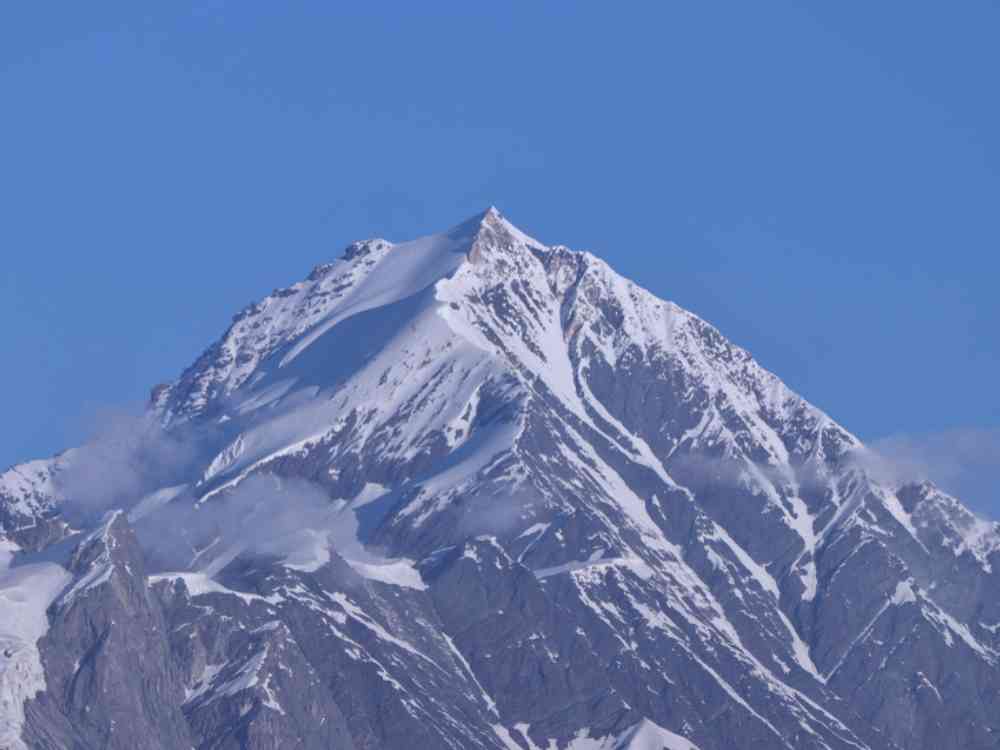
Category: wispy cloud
[963,462]
[129,456]
[263,515]
[126,456]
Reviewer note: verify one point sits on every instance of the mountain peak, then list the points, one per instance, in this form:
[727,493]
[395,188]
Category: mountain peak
[495,238]
[446,464]
[490,219]
[491,216]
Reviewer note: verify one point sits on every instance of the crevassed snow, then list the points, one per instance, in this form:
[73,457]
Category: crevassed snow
[25,594]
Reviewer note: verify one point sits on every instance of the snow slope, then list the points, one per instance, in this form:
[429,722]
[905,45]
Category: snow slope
[25,594]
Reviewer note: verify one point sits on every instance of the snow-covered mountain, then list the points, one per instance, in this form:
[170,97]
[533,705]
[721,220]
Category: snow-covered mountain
[473,491]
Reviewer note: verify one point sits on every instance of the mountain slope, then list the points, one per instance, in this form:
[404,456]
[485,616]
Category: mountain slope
[475,491]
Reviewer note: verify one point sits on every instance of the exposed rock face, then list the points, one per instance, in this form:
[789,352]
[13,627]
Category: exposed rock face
[554,511]
[111,680]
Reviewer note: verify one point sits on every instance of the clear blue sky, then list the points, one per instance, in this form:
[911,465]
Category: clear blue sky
[820,180]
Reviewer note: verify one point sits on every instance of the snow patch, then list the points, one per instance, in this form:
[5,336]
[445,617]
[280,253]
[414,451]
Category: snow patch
[400,572]
[199,584]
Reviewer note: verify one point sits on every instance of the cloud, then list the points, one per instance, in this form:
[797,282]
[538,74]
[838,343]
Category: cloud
[963,462]
[127,456]
[130,456]
[263,515]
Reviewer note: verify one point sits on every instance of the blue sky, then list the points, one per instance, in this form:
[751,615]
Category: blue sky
[819,180]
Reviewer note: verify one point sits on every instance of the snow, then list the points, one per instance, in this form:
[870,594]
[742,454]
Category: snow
[902,594]
[536,528]
[203,683]
[735,696]
[401,572]
[28,478]
[644,735]
[369,494]
[229,454]
[649,736]
[809,581]
[801,521]
[245,678]
[961,531]
[505,737]
[487,698]
[949,626]
[637,565]
[343,536]
[359,615]
[199,584]
[759,574]
[101,568]
[458,429]
[410,268]
[925,682]
[859,638]
[29,488]
[217,682]
[25,594]
[895,508]
[478,453]
[981,539]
